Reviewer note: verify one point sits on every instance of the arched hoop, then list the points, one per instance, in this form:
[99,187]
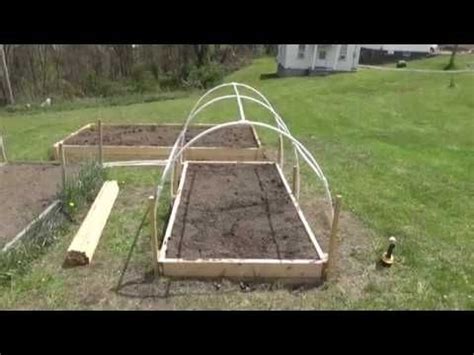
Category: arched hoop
[197,108]
[179,147]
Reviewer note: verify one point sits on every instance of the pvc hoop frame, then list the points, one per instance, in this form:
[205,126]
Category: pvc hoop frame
[281,128]
[278,119]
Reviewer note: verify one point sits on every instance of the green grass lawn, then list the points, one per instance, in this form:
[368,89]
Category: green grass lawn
[398,146]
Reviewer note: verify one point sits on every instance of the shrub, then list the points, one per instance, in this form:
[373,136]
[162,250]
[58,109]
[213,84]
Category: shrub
[401,64]
[100,86]
[142,79]
[205,76]
[170,81]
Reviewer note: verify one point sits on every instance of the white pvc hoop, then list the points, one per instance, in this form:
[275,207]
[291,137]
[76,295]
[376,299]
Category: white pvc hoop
[300,149]
[281,128]
[279,121]
[305,154]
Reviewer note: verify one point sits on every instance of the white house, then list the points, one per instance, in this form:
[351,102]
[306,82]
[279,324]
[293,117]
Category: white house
[314,59]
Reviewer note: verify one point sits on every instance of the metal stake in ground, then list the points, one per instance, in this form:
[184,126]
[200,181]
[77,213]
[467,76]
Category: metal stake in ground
[333,243]
[154,241]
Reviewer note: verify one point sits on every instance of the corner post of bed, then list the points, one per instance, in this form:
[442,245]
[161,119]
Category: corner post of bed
[101,153]
[63,164]
[280,151]
[333,242]
[153,235]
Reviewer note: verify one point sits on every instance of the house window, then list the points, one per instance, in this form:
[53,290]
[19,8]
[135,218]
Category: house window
[301,50]
[343,52]
[322,53]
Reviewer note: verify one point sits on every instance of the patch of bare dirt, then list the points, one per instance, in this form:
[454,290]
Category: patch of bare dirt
[237,211]
[26,190]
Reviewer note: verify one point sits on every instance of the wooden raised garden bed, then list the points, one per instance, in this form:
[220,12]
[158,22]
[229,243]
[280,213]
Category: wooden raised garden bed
[122,142]
[238,220]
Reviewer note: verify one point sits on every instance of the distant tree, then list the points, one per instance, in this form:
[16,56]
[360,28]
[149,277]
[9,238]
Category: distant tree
[6,75]
[202,54]
[451,59]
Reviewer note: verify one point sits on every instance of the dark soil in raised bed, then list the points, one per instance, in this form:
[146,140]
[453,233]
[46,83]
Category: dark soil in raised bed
[26,190]
[237,211]
[164,136]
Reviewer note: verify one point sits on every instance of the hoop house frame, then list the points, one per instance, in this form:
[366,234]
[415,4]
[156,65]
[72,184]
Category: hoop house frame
[310,268]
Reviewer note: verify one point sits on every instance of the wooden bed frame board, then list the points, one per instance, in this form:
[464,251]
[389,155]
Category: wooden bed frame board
[114,164]
[282,269]
[143,152]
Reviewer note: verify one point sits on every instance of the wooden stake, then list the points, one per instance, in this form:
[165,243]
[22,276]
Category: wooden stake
[99,127]
[2,147]
[63,164]
[153,230]
[333,242]
[280,151]
[296,181]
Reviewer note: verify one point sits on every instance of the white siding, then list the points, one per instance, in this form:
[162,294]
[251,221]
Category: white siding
[281,56]
[328,62]
[291,57]
[288,57]
[352,58]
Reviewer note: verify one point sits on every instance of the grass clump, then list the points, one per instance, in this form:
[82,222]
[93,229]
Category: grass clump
[82,189]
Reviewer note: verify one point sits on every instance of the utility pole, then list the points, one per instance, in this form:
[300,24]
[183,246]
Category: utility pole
[6,75]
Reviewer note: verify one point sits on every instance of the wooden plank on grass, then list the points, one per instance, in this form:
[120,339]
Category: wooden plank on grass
[82,248]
